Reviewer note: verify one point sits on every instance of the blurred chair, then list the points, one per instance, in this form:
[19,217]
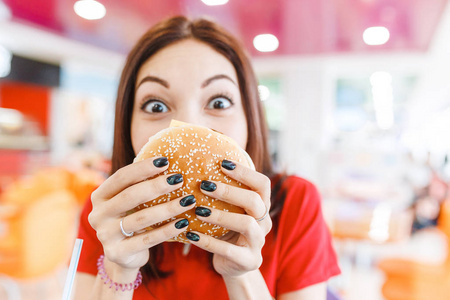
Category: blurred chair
[38,221]
[38,235]
[411,280]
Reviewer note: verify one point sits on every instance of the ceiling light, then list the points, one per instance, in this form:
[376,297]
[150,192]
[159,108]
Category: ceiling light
[264,92]
[377,35]
[89,9]
[266,42]
[5,61]
[215,2]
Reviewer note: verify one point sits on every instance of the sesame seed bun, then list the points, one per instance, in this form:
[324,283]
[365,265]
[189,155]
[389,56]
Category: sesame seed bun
[197,153]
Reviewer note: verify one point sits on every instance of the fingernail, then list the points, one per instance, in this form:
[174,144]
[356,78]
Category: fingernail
[208,186]
[192,236]
[229,165]
[188,200]
[161,162]
[203,211]
[182,223]
[175,179]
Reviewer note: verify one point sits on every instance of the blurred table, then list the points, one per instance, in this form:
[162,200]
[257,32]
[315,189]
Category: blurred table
[375,222]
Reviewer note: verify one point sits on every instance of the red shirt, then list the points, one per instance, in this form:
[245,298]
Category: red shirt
[298,255]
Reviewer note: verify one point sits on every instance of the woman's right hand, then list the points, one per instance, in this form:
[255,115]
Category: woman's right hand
[123,191]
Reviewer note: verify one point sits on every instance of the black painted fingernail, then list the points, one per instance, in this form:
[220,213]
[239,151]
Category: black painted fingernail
[161,162]
[208,186]
[192,236]
[188,200]
[182,223]
[229,165]
[203,211]
[175,179]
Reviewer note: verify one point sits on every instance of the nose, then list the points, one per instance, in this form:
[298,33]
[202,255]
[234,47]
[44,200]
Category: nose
[191,117]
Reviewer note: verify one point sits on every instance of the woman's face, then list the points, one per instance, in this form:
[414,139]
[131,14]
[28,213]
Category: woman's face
[190,82]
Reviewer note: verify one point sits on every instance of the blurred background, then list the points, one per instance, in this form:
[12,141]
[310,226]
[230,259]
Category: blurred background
[356,92]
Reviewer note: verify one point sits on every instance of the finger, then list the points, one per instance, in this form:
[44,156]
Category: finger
[143,192]
[266,224]
[155,236]
[158,213]
[242,256]
[130,175]
[249,200]
[213,245]
[251,178]
[244,224]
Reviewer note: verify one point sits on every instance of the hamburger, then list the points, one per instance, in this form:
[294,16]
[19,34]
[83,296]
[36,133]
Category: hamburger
[196,152]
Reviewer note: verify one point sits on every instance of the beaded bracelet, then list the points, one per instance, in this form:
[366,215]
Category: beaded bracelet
[117,286]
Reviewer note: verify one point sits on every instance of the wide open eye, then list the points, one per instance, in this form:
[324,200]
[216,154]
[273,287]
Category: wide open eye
[219,102]
[154,106]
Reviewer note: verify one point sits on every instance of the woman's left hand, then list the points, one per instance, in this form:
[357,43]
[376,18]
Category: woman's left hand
[239,251]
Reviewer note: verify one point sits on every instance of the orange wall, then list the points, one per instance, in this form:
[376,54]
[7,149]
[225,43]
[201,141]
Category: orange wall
[32,100]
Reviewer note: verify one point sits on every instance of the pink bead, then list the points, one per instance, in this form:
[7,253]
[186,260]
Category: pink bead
[106,280]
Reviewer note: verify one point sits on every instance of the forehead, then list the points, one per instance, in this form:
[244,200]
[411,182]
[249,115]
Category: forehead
[187,57]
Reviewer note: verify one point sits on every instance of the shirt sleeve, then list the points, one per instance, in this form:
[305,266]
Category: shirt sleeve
[306,256]
[91,248]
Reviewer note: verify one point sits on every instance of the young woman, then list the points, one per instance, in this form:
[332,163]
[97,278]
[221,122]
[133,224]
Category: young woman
[196,72]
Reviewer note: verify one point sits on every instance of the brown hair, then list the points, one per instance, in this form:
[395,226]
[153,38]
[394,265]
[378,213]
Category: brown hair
[159,36]
[164,34]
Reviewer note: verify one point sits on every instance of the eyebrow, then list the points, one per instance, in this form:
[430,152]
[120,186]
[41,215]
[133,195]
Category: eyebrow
[217,77]
[166,84]
[154,79]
